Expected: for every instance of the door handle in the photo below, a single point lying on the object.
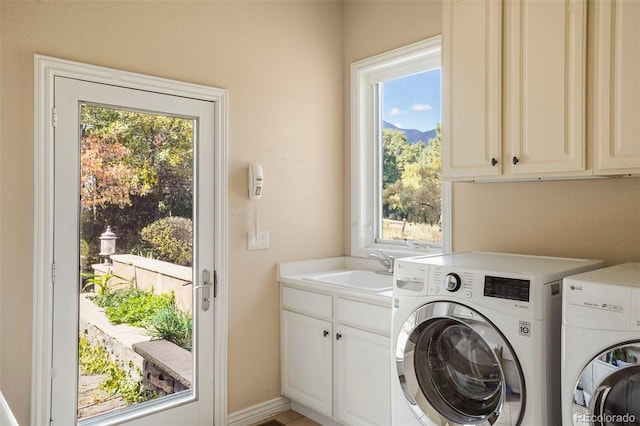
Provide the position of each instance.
(206, 287)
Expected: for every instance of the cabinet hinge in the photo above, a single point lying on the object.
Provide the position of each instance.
(215, 283)
(53, 272)
(54, 117)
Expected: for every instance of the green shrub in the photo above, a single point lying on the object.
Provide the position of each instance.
(173, 325)
(124, 380)
(93, 359)
(133, 306)
(170, 239)
(157, 313)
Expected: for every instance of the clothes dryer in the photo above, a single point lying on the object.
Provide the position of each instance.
(476, 339)
(601, 347)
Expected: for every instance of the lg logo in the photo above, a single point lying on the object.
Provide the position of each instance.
(576, 287)
(525, 328)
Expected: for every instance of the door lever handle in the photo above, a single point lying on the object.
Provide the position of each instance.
(206, 289)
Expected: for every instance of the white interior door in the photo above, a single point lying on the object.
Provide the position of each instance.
(195, 405)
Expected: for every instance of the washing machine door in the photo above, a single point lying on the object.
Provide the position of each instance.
(608, 391)
(451, 363)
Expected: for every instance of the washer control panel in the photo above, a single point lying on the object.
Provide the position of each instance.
(447, 282)
(452, 281)
(467, 284)
(507, 288)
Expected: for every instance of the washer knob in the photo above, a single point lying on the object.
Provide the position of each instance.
(452, 282)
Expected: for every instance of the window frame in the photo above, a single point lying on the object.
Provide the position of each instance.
(366, 183)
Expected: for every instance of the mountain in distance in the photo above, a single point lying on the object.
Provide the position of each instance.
(413, 135)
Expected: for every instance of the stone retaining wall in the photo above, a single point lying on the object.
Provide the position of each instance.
(166, 368)
(162, 277)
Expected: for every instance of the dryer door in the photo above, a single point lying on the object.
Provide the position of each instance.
(451, 366)
(608, 392)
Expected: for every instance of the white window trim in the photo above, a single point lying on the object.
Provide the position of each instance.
(365, 74)
(45, 70)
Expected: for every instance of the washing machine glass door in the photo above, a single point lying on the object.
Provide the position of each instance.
(608, 392)
(450, 365)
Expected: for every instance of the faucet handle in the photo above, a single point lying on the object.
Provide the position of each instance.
(384, 255)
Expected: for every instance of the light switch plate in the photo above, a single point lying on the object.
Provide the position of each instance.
(258, 241)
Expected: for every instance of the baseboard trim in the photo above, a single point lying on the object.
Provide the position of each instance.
(259, 412)
(6, 416)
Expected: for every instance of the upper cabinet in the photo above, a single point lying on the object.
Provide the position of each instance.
(515, 89)
(616, 87)
(545, 90)
(472, 88)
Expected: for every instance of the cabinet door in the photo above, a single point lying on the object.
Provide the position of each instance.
(616, 87)
(306, 361)
(362, 378)
(471, 89)
(545, 62)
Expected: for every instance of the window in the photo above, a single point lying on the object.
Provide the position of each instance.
(398, 201)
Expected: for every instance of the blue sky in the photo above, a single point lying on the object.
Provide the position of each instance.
(413, 102)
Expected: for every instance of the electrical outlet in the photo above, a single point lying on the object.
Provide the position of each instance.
(259, 241)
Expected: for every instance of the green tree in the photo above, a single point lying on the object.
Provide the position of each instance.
(415, 196)
(136, 169)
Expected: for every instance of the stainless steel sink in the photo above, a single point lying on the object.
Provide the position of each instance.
(369, 281)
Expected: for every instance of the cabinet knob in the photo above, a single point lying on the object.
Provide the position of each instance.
(494, 162)
(515, 160)
(338, 336)
(325, 333)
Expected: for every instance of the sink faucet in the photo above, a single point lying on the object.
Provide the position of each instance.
(386, 261)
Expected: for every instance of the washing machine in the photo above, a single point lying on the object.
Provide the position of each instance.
(601, 347)
(476, 338)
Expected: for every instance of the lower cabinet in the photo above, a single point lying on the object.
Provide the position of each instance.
(306, 361)
(337, 365)
(362, 390)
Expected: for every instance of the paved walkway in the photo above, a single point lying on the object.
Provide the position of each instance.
(92, 400)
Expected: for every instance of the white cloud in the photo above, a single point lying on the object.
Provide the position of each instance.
(421, 107)
(395, 111)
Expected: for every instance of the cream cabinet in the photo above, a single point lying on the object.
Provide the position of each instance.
(363, 382)
(306, 361)
(514, 91)
(336, 355)
(616, 87)
(472, 88)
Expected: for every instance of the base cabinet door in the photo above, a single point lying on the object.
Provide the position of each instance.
(362, 377)
(306, 361)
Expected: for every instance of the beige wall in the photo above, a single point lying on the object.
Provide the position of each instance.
(597, 219)
(282, 63)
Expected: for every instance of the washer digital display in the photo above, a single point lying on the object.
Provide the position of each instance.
(506, 288)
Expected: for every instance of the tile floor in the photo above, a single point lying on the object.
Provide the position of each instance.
(289, 418)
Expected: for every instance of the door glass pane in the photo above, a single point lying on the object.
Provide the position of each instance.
(411, 199)
(458, 371)
(136, 256)
(608, 390)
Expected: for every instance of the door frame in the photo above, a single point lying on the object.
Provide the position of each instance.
(46, 69)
